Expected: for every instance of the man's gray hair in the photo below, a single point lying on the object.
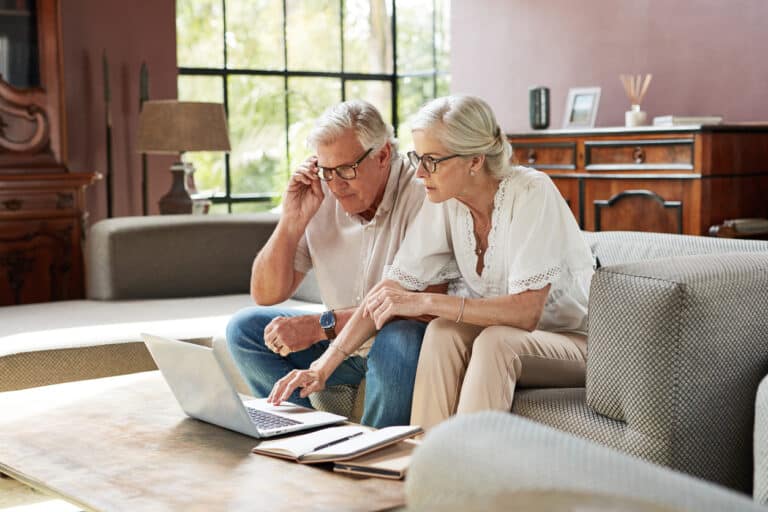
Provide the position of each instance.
(466, 125)
(357, 115)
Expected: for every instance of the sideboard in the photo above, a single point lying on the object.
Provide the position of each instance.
(680, 179)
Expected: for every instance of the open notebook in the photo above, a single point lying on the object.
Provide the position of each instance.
(335, 443)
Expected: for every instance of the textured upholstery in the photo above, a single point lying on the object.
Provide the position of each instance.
(174, 255)
(491, 461)
(677, 344)
(761, 443)
(616, 247)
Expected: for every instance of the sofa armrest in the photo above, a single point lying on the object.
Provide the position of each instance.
(174, 255)
(676, 350)
(761, 444)
(497, 461)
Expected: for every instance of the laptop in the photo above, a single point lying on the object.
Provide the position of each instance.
(205, 392)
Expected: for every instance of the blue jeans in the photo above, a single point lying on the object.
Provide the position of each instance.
(389, 370)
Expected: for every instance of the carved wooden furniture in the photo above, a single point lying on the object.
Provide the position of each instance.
(672, 180)
(41, 204)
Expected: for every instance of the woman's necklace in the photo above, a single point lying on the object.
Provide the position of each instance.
(479, 231)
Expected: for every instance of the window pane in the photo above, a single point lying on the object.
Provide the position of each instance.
(307, 99)
(255, 34)
(376, 92)
(414, 35)
(413, 92)
(313, 35)
(257, 133)
(443, 85)
(199, 33)
(368, 36)
(443, 35)
(201, 88)
(218, 209)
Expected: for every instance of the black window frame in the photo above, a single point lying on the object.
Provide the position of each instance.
(392, 78)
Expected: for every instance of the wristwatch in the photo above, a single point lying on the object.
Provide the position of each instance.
(328, 323)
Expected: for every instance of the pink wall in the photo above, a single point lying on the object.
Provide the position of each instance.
(130, 32)
(707, 56)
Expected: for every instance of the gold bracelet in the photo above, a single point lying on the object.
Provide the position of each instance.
(461, 310)
(339, 349)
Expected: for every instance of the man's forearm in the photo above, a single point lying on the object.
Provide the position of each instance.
(272, 273)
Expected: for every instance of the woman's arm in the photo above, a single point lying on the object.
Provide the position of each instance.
(522, 310)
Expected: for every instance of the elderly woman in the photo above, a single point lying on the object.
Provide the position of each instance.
(519, 266)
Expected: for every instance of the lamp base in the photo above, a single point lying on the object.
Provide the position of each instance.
(177, 200)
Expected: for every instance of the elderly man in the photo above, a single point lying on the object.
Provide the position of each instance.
(345, 212)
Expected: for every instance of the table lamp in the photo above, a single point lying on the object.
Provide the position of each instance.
(171, 126)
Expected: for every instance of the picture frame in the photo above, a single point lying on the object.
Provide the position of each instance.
(581, 107)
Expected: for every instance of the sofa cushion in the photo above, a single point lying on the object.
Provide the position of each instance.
(164, 256)
(615, 247)
(70, 340)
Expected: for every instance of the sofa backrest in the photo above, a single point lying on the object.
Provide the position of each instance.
(617, 247)
(174, 255)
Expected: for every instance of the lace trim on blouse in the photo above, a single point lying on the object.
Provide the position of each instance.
(534, 282)
(449, 272)
(469, 232)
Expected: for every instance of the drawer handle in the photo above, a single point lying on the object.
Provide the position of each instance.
(531, 156)
(13, 204)
(639, 155)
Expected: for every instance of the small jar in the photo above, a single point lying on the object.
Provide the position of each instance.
(634, 116)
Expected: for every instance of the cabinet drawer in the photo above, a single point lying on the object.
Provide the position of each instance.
(31, 201)
(674, 154)
(552, 155)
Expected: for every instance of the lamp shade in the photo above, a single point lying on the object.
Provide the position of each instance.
(170, 126)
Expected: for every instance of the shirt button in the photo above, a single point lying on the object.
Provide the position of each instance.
(357, 298)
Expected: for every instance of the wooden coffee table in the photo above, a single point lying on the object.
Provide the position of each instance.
(123, 443)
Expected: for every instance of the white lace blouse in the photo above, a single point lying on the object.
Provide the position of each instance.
(534, 241)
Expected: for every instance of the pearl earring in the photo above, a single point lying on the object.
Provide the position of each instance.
(472, 172)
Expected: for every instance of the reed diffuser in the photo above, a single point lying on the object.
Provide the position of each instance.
(635, 86)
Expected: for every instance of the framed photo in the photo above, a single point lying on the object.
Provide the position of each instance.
(581, 107)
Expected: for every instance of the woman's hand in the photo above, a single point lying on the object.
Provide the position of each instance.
(310, 381)
(388, 300)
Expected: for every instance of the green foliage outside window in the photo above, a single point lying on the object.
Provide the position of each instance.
(272, 102)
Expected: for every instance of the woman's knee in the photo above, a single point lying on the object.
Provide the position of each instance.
(496, 339)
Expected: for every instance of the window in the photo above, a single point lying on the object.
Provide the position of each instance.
(277, 64)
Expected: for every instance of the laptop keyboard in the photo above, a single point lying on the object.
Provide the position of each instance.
(267, 421)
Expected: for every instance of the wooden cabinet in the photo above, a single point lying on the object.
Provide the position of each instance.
(42, 207)
(674, 180)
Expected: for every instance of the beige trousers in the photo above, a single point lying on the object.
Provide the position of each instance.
(466, 368)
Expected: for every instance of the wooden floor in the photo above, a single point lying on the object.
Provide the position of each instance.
(17, 497)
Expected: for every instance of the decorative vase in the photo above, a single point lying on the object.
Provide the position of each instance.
(634, 116)
(538, 104)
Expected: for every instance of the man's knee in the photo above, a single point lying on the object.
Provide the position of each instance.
(246, 327)
(397, 343)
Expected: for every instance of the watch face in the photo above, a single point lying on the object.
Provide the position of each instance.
(328, 320)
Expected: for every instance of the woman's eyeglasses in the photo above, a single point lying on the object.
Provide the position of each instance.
(428, 162)
(345, 172)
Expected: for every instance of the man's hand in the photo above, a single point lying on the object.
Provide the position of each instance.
(304, 194)
(388, 300)
(284, 335)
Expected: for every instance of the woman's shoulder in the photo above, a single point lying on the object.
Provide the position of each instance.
(525, 182)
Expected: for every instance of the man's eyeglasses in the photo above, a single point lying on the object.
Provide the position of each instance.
(345, 172)
(429, 162)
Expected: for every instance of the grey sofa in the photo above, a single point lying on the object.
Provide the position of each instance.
(677, 344)
(540, 468)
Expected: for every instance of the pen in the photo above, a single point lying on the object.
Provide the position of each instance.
(326, 445)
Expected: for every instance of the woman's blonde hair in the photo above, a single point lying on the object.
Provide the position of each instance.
(357, 115)
(466, 126)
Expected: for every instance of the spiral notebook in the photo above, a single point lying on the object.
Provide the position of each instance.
(391, 462)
